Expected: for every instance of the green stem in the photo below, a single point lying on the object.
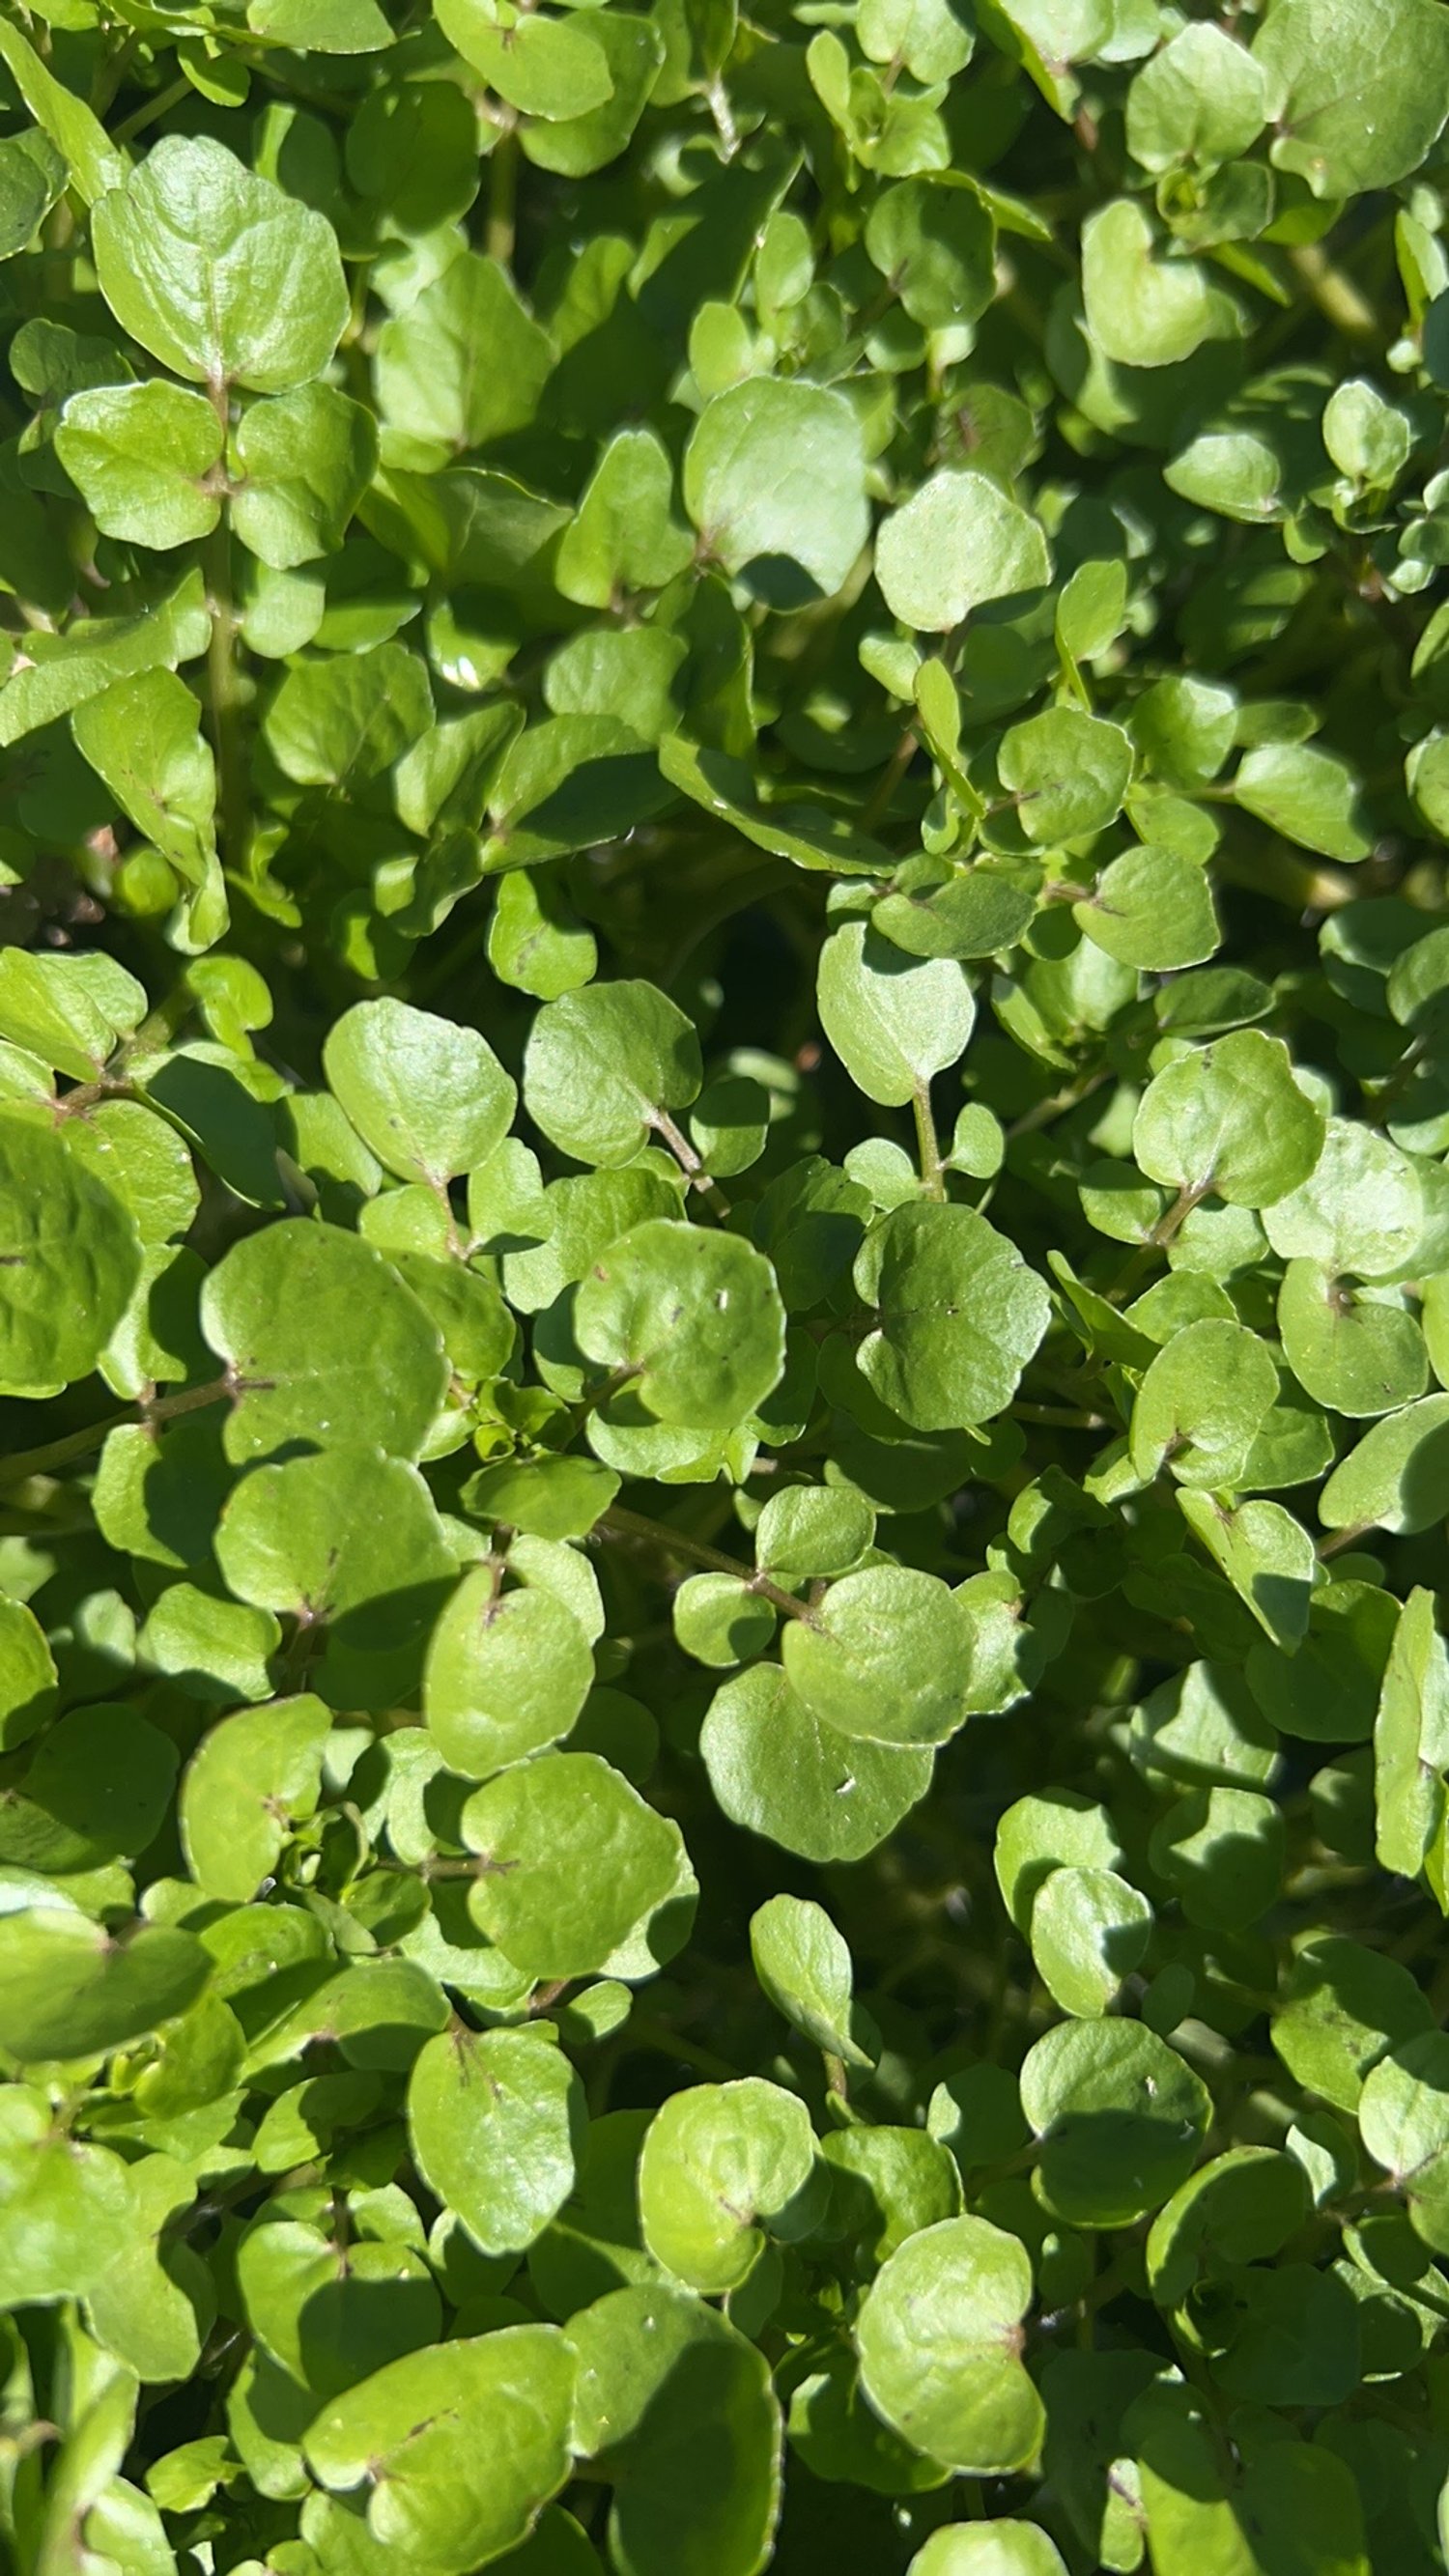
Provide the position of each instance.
(24, 1463)
(928, 1151)
(221, 672)
(643, 2031)
(1338, 299)
(689, 1163)
(619, 1523)
(157, 105)
(503, 197)
(895, 769)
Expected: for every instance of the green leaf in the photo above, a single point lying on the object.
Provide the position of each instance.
(431, 1099)
(939, 2338)
(304, 459)
(1119, 2116)
(1404, 2125)
(143, 737)
(1266, 1555)
(803, 1965)
(496, 2123)
(893, 1021)
(1308, 796)
(1144, 310)
(458, 2447)
(339, 722)
(1200, 99)
(689, 1324)
(378, 1374)
(1355, 108)
(464, 364)
(94, 161)
(142, 458)
(884, 1659)
(1328, 1690)
(1067, 773)
(1398, 1475)
(1411, 1740)
(548, 67)
(793, 1778)
(1342, 2007)
(995, 2548)
(723, 2164)
(957, 1316)
(956, 544)
(250, 1780)
(27, 1675)
(65, 2207)
(507, 1673)
(572, 1863)
(69, 1259)
(774, 474)
(68, 1989)
(332, 2315)
(623, 536)
(1089, 1929)
(345, 1540)
(679, 2411)
(1230, 1118)
(603, 1066)
(936, 246)
(1151, 908)
(1202, 1404)
(218, 273)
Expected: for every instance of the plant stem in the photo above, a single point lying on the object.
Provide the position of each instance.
(689, 1163)
(643, 2031)
(1338, 299)
(503, 197)
(221, 677)
(619, 1523)
(157, 105)
(928, 1151)
(890, 779)
(24, 1463)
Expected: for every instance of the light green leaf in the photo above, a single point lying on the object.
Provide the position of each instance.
(1144, 310)
(218, 273)
(496, 2123)
(429, 1097)
(507, 1673)
(1120, 2118)
(1355, 106)
(722, 2165)
(780, 1771)
(376, 1373)
(957, 1315)
(463, 365)
(803, 1965)
(249, 1781)
(142, 458)
(69, 1259)
(775, 470)
(956, 544)
(893, 1021)
(1151, 908)
(573, 1862)
(1229, 1117)
(458, 2447)
(939, 2343)
(884, 1659)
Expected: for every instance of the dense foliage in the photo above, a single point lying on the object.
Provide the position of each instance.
(724, 1288)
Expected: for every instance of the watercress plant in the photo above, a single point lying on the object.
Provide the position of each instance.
(724, 1288)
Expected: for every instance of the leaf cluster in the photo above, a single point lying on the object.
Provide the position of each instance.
(724, 1288)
